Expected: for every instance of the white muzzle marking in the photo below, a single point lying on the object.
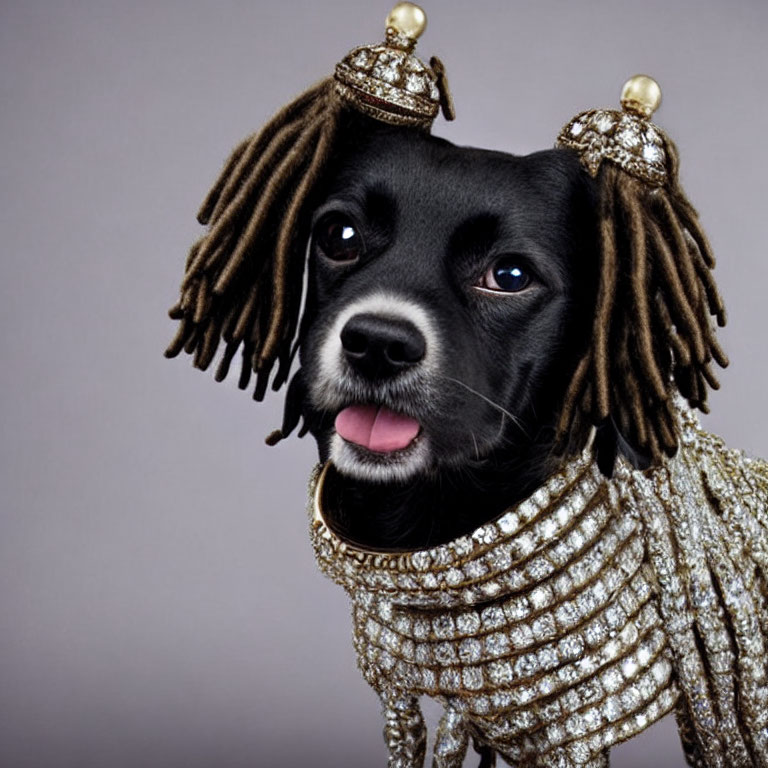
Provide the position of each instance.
(336, 386)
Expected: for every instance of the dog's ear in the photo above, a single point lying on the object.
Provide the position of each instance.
(653, 334)
(244, 278)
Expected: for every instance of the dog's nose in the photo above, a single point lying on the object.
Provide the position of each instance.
(378, 346)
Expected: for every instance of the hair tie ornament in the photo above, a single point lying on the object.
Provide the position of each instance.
(388, 82)
(653, 333)
(243, 278)
(626, 137)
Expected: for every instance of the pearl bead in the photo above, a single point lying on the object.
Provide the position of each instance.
(408, 19)
(641, 95)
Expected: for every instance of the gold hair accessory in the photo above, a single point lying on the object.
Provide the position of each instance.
(243, 279)
(388, 82)
(626, 137)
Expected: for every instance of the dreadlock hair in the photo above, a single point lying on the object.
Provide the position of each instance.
(243, 277)
(652, 334)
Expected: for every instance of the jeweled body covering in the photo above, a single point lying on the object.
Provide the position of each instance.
(579, 617)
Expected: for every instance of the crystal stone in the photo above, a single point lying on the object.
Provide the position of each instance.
(604, 122)
(361, 59)
(470, 650)
(450, 679)
(628, 136)
(445, 653)
(472, 677)
(527, 665)
(496, 644)
(468, 623)
(500, 672)
(652, 153)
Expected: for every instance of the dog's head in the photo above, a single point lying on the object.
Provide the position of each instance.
(470, 316)
(450, 294)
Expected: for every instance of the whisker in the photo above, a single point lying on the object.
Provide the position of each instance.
(514, 419)
(474, 440)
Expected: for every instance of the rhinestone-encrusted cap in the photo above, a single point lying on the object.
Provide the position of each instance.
(381, 80)
(626, 137)
(386, 81)
(628, 140)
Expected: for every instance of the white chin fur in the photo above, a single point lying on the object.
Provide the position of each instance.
(360, 464)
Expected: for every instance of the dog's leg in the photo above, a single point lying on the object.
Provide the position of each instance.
(404, 729)
(451, 740)
(688, 737)
(487, 755)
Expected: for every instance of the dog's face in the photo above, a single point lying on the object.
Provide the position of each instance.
(450, 291)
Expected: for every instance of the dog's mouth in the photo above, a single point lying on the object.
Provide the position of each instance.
(377, 428)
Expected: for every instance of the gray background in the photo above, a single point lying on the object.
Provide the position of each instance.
(160, 603)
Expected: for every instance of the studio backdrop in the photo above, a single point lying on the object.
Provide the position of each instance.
(160, 603)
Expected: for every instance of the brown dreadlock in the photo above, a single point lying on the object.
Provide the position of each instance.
(243, 278)
(652, 332)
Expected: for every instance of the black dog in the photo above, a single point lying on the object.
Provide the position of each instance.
(451, 292)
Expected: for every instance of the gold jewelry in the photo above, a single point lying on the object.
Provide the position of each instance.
(579, 617)
(586, 612)
(387, 81)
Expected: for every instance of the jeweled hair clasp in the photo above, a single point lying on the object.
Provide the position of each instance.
(626, 137)
(388, 82)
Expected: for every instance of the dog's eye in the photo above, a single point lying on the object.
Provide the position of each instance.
(337, 238)
(506, 275)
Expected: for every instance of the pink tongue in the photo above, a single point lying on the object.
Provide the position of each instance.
(376, 428)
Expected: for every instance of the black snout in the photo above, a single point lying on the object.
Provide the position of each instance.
(379, 347)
